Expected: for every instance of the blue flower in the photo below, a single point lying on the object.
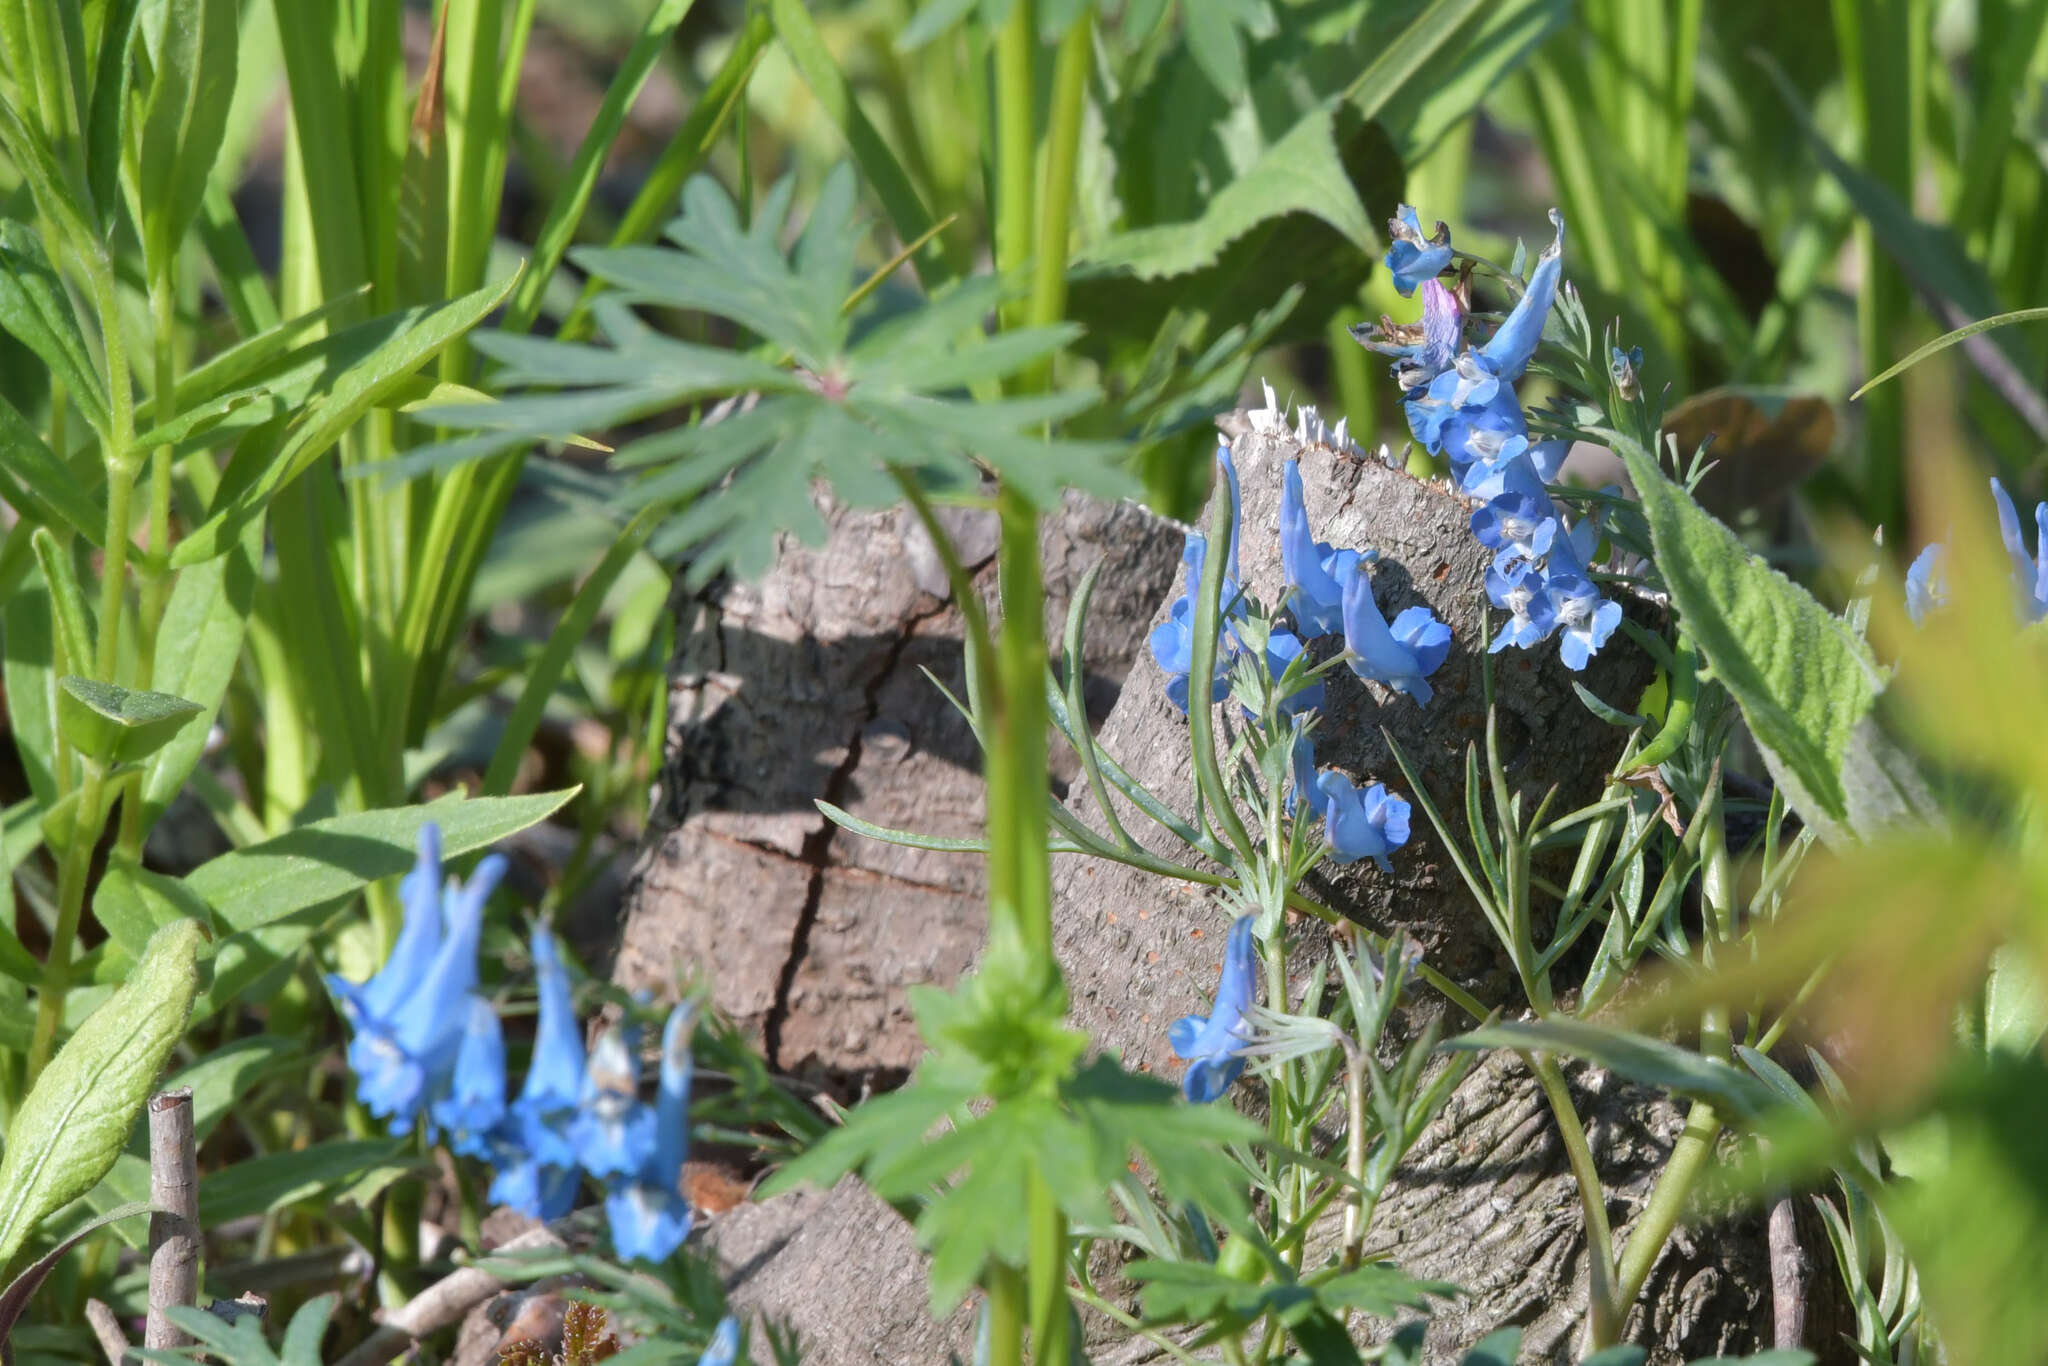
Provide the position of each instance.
(724, 1348)
(1412, 257)
(475, 1103)
(1517, 525)
(1303, 760)
(649, 1217)
(1927, 583)
(613, 1132)
(1173, 640)
(1585, 618)
(536, 1189)
(1361, 823)
(409, 1019)
(1509, 350)
(1314, 571)
(1518, 590)
(1281, 649)
(537, 1172)
(1403, 656)
(2029, 574)
(1210, 1043)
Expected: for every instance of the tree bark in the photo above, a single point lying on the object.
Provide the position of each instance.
(1486, 1200)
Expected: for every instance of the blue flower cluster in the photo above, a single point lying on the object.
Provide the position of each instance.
(1460, 402)
(1927, 577)
(1328, 591)
(426, 1044)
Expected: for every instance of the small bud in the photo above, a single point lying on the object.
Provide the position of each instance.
(1625, 369)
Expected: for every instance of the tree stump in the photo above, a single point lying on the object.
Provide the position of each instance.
(1486, 1200)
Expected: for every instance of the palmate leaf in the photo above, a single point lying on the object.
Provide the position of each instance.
(822, 396)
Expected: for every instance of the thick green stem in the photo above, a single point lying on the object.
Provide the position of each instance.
(1005, 1289)
(1606, 1322)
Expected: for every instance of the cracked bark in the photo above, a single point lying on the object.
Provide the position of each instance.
(1486, 1200)
(810, 684)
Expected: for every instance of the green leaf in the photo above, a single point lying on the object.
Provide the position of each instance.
(1628, 1354)
(420, 335)
(1651, 1062)
(35, 481)
(31, 681)
(322, 862)
(113, 725)
(1948, 339)
(1301, 173)
(16, 1297)
(75, 1121)
(1381, 1289)
(193, 46)
(1778, 1356)
(227, 1075)
(1805, 682)
(132, 904)
(1495, 1349)
(851, 412)
(36, 309)
(566, 213)
(339, 1169)
(198, 646)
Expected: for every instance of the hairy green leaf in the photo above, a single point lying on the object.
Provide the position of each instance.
(74, 1122)
(35, 481)
(115, 725)
(1805, 681)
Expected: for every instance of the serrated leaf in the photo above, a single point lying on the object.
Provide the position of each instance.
(1300, 173)
(322, 862)
(852, 411)
(1805, 682)
(76, 1119)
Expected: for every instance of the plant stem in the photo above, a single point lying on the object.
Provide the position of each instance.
(1056, 192)
(1016, 142)
(1005, 1288)
(1606, 1321)
(90, 819)
(1695, 1146)
(71, 878)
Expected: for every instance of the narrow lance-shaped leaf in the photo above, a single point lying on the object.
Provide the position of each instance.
(75, 1121)
(425, 334)
(36, 310)
(193, 47)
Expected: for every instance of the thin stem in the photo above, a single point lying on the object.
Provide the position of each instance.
(1354, 1154)
(71, 878)
(1056, 195)
(1606, 1322)
(1110, 1311)
(1016, 141)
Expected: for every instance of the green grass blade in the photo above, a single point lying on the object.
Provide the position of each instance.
(879, 166)
(1948, 339)
(566, 213)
